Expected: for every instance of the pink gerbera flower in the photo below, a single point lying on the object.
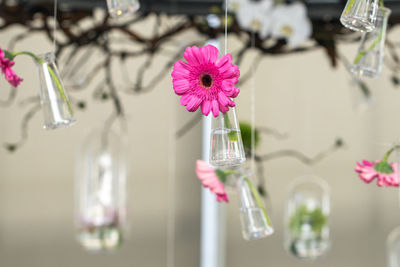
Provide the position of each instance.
(5, 67)
(205, 80)
(385, 173)
(209, 178)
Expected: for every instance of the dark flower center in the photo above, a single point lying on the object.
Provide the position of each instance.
(206, 81)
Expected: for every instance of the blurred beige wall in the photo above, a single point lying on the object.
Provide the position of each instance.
(299, 94)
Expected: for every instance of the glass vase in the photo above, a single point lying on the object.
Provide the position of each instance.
(393, 248)
(57, 110)
(119, 8)
(306, 218)
(360, 15)
(369, 60)
(226, 141)
(254, 218)
(100, 195)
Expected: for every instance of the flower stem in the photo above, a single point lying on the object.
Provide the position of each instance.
(35, 57)
(370, 48)
(349, 6)
(227, 122)
(258, 200)
(373, 45)
(387, 154)
(52, 73)
(228, 125)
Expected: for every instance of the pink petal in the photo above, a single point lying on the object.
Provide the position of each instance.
(229, 89)
(223, 109)
(193, 55)
(222, 198)
(368, 177)
(181, 70)
(181, 86)
(230, 81)
(226, 68)
(231, 103)
(223, 100)
(215, 108)
(203, 165)
(185, 99)
(15, 81)
(210, 180)
(224, 61)
(210, 53)
(236, 92)
(206, 107)
(193, 104)
(367, 163)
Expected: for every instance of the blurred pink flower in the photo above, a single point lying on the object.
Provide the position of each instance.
(5, 66)
(205, 80)
(367, 172)
(209, 178)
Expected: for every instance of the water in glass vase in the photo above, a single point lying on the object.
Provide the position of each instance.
(309, 247)
(255, 224)
(226, 147)
(56, 114)
(101, 238)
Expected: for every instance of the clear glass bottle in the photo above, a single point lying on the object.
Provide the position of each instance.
(57, 110)
(226, 141)
(360, 15)
(119, 8)
(369, 60)
(100, 196)
(254, 218)
(307, 218)
(393, 248)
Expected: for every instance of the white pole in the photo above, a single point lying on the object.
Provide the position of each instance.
(212, 213)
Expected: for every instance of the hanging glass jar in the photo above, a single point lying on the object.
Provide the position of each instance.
(226, 141)
(306, 218)
(393, 248)
(360, 15)
(57, 110)
(101, 176)
(254, 218)
(118, 8)
(369, 59)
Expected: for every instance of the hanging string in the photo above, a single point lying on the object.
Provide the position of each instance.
(171, 186)
(55, 26)
(171, 172)
(226, 27)
(253, 109)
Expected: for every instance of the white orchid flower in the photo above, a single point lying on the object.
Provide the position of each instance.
(233, 5)
(292, 23)
(255, 16)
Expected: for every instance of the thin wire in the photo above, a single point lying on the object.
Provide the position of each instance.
(253, 110)
(171, 174)
(55, 26)
(226, 27)
(171, 187)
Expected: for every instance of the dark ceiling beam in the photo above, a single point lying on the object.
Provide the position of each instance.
(318, 9)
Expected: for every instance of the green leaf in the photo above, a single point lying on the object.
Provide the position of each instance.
(303, 215)
(222, 176)
(232, 134)
(259, 202)
(245, 129)
(349, 6)
(384, 167)
(8, 55)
